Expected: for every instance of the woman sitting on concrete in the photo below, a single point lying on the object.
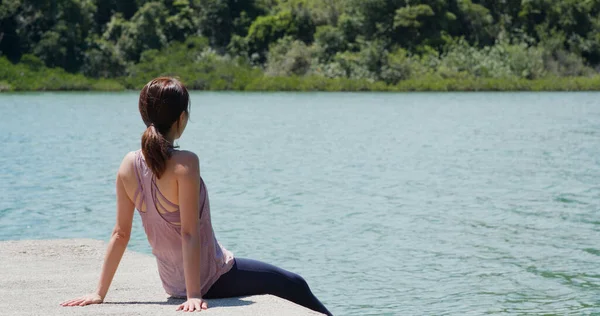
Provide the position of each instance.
(165, 186)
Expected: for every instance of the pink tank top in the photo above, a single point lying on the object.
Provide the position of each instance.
(165, 237)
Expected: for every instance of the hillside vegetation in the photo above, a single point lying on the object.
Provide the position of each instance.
(306, 45)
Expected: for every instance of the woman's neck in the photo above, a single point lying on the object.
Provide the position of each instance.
(170, 136)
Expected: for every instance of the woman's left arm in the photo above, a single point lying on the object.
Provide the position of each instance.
(119, 239)
(116, 246)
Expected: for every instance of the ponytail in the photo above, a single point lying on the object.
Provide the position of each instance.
(156, 150)
(161, 103)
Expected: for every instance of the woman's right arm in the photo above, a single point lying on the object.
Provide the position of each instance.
(187, 171)
(117, 244)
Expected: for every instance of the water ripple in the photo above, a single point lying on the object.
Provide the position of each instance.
(388, 204)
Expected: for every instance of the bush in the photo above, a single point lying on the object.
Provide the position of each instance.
(195, 63)
(32, 62)
(29, 75)
(524, 61)
(461, 58)
(288, 57)
(398, 66)
(103, 61)
(5, 86)
(503, 60)
(566, 64)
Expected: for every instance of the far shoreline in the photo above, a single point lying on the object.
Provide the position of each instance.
(320, 84)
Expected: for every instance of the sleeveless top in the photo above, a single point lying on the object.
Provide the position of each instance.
(165, 237)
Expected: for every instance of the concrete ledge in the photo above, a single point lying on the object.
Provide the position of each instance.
(36, 275)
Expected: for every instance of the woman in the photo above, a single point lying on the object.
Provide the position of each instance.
(165, 186)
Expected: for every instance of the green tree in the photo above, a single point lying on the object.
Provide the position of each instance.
(55, 31)
(222, 19)
(268, 29)
(145, 31)
(103, 60)
(579, 21)
(9, 37)
(330, 40)
(477, 22)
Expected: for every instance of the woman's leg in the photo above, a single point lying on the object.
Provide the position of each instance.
(251, 277)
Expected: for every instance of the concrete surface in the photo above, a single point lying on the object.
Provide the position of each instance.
(36, 275)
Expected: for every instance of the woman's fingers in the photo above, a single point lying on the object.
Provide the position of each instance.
(192, 306)
(65, 303)
(83, 300)
(75, 302)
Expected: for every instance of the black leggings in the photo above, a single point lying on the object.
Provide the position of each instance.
(251, 277)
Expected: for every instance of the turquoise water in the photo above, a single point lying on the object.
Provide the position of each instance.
(388, 204)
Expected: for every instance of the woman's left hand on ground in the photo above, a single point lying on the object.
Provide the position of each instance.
(193, 304)
(84, 300)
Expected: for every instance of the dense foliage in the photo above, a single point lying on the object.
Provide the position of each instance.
(301, 44)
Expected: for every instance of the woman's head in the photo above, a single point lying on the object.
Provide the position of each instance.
(164, 106)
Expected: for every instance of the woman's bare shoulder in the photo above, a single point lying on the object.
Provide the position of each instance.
(126, 167)
(185, 162)
(185, 157)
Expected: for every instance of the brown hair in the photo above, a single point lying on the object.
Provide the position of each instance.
(161, 103)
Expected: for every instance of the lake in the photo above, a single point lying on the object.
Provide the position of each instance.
(387, 204)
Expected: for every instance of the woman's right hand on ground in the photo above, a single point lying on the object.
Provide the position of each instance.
(84, 300)
(193, 304)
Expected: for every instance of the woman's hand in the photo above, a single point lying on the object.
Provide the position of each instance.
(84, 300)
(193, 304)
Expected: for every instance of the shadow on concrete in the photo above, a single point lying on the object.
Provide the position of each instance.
(223, 302)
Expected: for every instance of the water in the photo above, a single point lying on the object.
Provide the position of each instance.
(388, 204)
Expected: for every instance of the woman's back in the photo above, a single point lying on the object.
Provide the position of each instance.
(157, 201)
(167, 184)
